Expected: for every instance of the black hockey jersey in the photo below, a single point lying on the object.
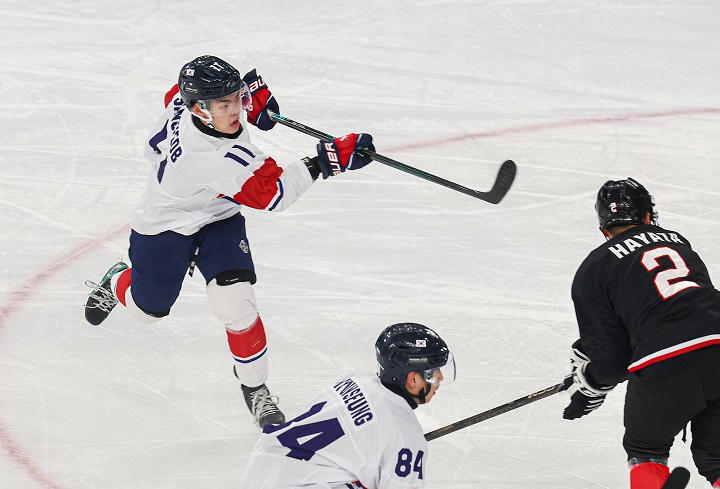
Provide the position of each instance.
(640, 298)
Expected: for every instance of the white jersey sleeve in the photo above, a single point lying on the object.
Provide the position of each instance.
(197, 178)
(356, 430)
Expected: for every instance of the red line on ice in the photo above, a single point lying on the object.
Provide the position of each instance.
(15, 301)
(530, 128)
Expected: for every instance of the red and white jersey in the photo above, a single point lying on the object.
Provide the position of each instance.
(356, 430)
(198, 178)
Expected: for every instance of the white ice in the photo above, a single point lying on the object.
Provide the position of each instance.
(575, 91)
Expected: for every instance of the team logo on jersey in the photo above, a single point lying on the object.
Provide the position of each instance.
(420, 343)
(244, 246)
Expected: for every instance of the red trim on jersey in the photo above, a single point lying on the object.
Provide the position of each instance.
(260, 189)
(123, 284)
(170, 95)
(673, 353)
(249, 342)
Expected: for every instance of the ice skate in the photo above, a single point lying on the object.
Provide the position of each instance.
(101, 300)
(262, 405)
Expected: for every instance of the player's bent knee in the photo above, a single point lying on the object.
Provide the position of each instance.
(137, 313)
(234, 304)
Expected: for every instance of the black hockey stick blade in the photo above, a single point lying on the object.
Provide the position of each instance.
(503, 181)
(491, 413)
(679, 478)
(505, 178)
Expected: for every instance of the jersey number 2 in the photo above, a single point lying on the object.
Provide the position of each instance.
(662, 280)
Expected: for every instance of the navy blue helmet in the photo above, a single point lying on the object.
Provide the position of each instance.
(409, 347)
(208, 78)
(623, 202)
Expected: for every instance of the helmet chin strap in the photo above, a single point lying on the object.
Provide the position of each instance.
(421, 395)
(424, 392)
(206, 112)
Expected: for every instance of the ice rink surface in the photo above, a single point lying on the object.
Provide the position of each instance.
(575, 91)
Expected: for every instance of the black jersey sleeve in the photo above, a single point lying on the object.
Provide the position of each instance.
(603, 335)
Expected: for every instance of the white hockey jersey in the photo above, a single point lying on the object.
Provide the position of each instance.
(197, 178)
(356, 430)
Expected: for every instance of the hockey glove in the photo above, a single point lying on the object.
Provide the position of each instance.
(340, 154)
(262, 100)
(584, 397)
(578, 358)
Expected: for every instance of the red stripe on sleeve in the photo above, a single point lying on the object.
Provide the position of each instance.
(170, 95)
(260, 189)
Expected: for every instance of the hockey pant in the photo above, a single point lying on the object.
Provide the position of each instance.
(657, 409)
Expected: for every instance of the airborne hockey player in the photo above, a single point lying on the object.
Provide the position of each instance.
(360, 433)
(648, 312)
(204, 169)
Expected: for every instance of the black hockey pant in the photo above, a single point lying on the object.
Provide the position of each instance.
(661, 402)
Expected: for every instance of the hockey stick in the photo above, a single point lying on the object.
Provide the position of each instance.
(678, 479)
(502, 184)
(491, 413)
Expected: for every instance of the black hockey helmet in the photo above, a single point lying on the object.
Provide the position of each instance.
(623, 202)
(409, 347)
(208, 78)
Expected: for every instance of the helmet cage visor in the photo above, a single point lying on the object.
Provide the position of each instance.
(228, 105)
(444, 374)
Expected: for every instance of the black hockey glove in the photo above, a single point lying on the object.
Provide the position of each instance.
(262, 100)
(584, 396)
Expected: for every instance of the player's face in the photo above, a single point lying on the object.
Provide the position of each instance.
(226, 111)
(435, 385)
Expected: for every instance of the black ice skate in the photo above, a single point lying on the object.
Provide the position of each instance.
(101, 300)
(261, 404)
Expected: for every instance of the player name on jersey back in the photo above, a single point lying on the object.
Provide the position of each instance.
(355, 402)
(627, 246)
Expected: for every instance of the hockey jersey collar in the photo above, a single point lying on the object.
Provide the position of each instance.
(402, 393)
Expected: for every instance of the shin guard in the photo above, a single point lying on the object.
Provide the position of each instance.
(248, 345)
(249, 348)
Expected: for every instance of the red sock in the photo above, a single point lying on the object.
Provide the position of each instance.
(250, 344)
(123, 283)
(648, 475)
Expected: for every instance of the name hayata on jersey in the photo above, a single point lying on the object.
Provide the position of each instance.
(355, 402)
(629, 245)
